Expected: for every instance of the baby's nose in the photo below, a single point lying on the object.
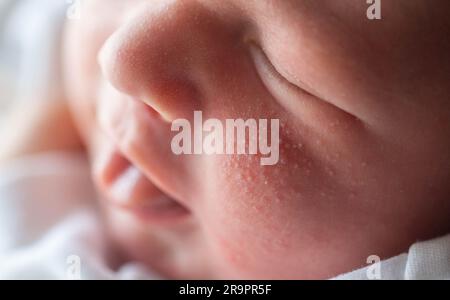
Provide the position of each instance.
(160, 56)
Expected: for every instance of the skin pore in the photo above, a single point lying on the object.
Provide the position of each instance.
(364, 116)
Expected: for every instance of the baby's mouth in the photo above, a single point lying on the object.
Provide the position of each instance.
(158, 210)
(126, 188)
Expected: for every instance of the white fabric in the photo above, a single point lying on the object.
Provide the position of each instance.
(424, 260)
(47, 217)
(30, 34)
(30, 46)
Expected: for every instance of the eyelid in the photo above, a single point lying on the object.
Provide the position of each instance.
(294, 97)
(264, 65)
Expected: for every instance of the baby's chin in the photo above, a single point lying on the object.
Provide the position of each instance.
(173, 252)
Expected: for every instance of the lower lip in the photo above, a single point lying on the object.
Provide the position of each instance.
(128, 190)
(156, 214)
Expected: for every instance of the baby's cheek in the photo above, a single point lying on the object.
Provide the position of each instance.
(252, 214)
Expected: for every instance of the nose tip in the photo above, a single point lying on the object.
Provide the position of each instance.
(147, 60)
(113, 62)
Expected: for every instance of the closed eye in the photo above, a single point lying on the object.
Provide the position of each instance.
(296, 97)
(268, 71)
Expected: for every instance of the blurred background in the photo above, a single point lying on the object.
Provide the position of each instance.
(6, 86)
(29, 50)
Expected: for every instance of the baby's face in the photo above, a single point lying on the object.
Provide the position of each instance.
(364, 115)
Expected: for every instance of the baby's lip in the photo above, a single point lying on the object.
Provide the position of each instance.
(162, 210)
(144, 138)
(128, 189)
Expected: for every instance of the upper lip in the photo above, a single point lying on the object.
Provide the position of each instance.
(143, 138)
(128, 189)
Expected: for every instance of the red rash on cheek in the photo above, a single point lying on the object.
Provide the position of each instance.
(249, 216)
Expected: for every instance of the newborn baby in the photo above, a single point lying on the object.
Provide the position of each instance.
(364, 113)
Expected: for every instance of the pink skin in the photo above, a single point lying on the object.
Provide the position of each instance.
(364, 106)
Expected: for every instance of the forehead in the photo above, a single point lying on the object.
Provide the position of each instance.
(290, 12)
(256, 9)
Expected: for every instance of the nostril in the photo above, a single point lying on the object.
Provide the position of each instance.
(154, 113)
